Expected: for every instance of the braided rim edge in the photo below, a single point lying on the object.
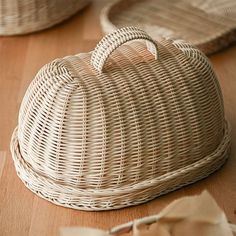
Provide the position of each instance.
(221, 153)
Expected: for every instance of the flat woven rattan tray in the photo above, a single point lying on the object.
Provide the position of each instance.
(120, 125)
(208, 24)
(26, 16)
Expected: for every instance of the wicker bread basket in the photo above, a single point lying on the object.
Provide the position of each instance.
(119, 126)
(208, 24)
(25, 16)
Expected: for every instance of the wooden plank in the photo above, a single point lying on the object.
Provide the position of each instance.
(2, 161)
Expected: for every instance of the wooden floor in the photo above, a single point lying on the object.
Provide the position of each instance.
(22, 212)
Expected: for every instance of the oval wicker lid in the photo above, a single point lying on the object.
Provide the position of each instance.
(207, 24)
(121, 125)
(21, 17)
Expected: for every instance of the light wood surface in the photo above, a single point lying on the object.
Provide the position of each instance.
(22, 212)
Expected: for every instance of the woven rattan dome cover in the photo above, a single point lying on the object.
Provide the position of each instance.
(25, 16)
(106, 130)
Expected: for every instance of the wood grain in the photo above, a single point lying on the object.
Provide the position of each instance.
(22, 212)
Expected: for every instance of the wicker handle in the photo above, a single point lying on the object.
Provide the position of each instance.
(114, 40)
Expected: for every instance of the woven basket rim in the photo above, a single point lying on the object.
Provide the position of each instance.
(219, 153)
(38, 25)
(208, 45)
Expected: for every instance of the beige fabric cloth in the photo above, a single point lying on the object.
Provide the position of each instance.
(195, 215)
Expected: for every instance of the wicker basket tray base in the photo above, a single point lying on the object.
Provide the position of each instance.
(209, 25)
(107, 199)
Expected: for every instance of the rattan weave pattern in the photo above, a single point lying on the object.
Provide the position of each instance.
(208, 24)
(26, 16)
(124, 132)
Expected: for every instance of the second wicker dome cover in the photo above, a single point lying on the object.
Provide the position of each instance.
(122, 124)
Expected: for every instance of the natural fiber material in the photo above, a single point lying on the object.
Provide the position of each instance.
(25, 16)
(119, 126)
(192, 215)
(207, 24)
